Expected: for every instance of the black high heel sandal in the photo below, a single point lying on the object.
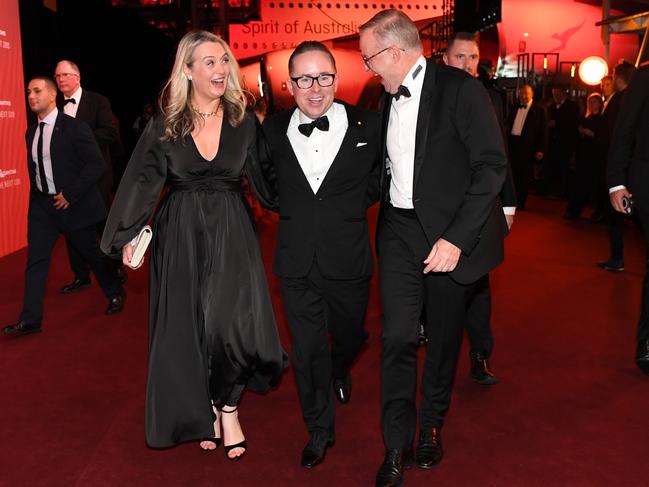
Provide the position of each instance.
(214, 439)
(241, 444)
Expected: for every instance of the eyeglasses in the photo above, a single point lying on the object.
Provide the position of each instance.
(367, 59)
(64, 75)
(305, 81)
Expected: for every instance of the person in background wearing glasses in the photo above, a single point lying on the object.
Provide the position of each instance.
(441, 228)
(95, 110)
(324, 156)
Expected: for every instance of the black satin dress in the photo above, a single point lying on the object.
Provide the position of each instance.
(212, 329)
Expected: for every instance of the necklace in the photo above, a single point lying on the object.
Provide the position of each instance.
(206, 115)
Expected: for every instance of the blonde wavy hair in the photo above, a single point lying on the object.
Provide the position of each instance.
(175, 98)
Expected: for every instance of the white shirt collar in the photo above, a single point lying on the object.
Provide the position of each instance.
(76, 95)
(51, 117)
(414, 79)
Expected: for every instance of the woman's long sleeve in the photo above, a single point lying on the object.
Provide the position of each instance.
(138, 191)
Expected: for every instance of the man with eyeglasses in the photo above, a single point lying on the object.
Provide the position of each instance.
(324, 155)
(440, 229)
(95, 110)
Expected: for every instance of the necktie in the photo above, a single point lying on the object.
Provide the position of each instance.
(402, 91)
(321, 123)
(39, 154)
(69, 100)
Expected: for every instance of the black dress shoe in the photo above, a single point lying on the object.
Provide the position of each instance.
(390, 473)
(480, 371)
(642, 356)
(315, 450)
(77, 285)
(429, 449)
(21, 328)
(343, 389)
(612, 265)
(116, 304)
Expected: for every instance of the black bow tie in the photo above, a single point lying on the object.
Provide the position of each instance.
(402, 91)
(69, 100)
(321, 123)
(520, 105)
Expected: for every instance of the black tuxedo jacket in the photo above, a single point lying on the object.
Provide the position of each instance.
(329, 226)
(95, 110)
(77, 165)
(628, 158)
(533, 133)
(460, 167)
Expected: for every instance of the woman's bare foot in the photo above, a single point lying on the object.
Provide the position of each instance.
(207, 444)
(232, 433)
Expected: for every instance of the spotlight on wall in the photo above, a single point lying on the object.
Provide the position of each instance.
(592, 70)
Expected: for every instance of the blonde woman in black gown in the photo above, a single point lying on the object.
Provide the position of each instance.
(212, 330)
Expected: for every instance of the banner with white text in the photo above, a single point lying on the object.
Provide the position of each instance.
(14, 179)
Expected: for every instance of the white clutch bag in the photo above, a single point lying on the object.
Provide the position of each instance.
(140, 244)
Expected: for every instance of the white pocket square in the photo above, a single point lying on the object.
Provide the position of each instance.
(361, 144)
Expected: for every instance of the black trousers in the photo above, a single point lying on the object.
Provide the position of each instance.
(320, 311)
(522, 168)
(43, 229)
(478, 318)
(643, 323)
(615, 226)
(402, 248)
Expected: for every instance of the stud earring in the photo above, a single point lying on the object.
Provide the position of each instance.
(189, 77)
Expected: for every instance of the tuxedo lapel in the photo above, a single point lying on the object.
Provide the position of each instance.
(285, 145)
(423, 120)
(31, 133)
(345, 153)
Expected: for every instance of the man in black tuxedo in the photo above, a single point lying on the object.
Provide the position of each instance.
(462, 52)
(526, 136)
(628, 177)
(440, 230)
(324, 155)
(64, 165)
(622, 75)
(95, 110)
(563, 119)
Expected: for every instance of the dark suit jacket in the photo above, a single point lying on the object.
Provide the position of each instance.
(508, 193)
(563, 136)
(77, 165)
(331, 225)
(460, 167)
(628, 158)
(95, 110)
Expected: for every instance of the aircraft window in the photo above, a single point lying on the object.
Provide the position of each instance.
(272, 5)
(290, 5)
(281, 5)
(299, 5)
(382, 6)
(328, 5)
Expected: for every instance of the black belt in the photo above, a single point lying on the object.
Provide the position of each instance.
(207, 184)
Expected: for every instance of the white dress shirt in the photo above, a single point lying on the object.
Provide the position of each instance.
(402, 132)
(48, 128)
(71, 108)
(317, 152)
(519, 121)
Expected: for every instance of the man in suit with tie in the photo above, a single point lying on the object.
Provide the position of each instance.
(95, 110)
(526, 136)
(462, 52)
(64, 165)
(440, 230)
(323, 152)
(628, 178)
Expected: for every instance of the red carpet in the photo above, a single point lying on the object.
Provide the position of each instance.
(571, 408)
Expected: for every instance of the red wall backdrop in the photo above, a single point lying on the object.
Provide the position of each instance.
(14, 180)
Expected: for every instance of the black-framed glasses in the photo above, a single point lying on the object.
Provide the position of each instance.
(367, 59)
(305, 81)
